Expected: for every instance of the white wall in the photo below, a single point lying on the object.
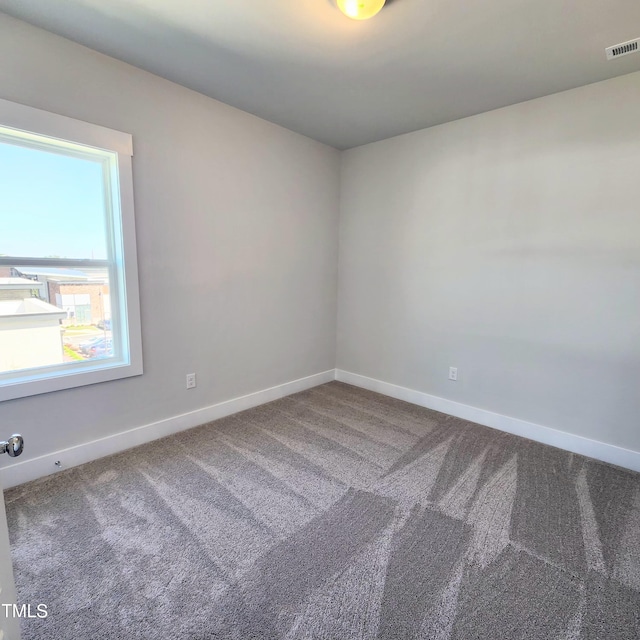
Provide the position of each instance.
(30, 342)
(237, 242)
(507, 245)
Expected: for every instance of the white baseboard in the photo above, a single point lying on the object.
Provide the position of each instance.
(19, 472)
(569, 442)
(24, 471)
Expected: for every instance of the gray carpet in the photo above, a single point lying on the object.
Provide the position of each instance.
(335, 513)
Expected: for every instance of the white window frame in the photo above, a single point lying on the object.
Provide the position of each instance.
(123, 269)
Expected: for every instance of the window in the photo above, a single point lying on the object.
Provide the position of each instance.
(69, 309)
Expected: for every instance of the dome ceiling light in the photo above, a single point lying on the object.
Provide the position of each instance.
(360, 9)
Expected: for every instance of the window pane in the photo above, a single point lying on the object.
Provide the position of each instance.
(50, 316)
(51, 205)
(69, 309)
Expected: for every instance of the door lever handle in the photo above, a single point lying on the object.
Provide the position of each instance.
(14, 446)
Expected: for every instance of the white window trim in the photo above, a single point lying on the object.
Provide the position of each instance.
(43, 123)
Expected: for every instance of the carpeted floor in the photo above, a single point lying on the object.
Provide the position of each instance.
(335, 514)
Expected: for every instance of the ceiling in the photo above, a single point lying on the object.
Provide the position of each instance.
(304, 65)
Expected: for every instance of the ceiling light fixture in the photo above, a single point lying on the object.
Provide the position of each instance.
(360, 9)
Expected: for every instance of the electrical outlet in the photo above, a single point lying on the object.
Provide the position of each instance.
(191, 381)
(453, 373)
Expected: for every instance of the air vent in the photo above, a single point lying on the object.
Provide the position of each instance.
(623, 49)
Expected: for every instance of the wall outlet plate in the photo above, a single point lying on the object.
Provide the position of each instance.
(453, 373)
(191, 381)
